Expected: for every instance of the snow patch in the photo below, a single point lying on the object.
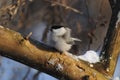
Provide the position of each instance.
(52, 61)
(90, 56)
(116, 78)
(59, 67)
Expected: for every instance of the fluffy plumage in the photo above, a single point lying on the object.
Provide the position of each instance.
(60, 38)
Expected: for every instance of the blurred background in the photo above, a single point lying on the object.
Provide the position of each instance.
(88, 19)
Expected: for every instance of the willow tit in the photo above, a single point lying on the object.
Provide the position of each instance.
(60, 38)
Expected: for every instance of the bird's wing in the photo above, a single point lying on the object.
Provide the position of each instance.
(76, 39)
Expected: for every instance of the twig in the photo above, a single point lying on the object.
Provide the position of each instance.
(28, 36)
(53, 3)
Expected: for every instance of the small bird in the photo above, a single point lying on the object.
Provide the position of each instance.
(60, 38)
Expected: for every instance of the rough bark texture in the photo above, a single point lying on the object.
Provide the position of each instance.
(110, 50)
(114, 49)
(110, 55)
(14, 46)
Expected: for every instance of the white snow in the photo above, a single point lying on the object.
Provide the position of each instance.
(59, 67)
(116, 78)
(90, 56)
(52, 61)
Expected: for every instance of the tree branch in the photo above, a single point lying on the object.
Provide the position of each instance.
(65, 6)
(114, 50)
(40, 57)
(110, 51)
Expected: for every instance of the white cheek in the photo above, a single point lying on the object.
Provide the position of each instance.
(59, 32)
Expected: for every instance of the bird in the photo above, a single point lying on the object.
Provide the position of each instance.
(60, 38)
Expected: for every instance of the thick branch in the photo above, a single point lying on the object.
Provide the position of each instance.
(111, 46)
(114, 50)
(14, 46)
(111, 53)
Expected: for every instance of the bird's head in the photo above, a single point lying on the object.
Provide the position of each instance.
(58, 30)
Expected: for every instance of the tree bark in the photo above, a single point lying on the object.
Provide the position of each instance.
(114, 50)
(41, 57)
(110, 51)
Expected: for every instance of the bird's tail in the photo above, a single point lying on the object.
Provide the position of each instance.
(76, 39)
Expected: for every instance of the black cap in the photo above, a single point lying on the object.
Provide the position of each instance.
(55, 27)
